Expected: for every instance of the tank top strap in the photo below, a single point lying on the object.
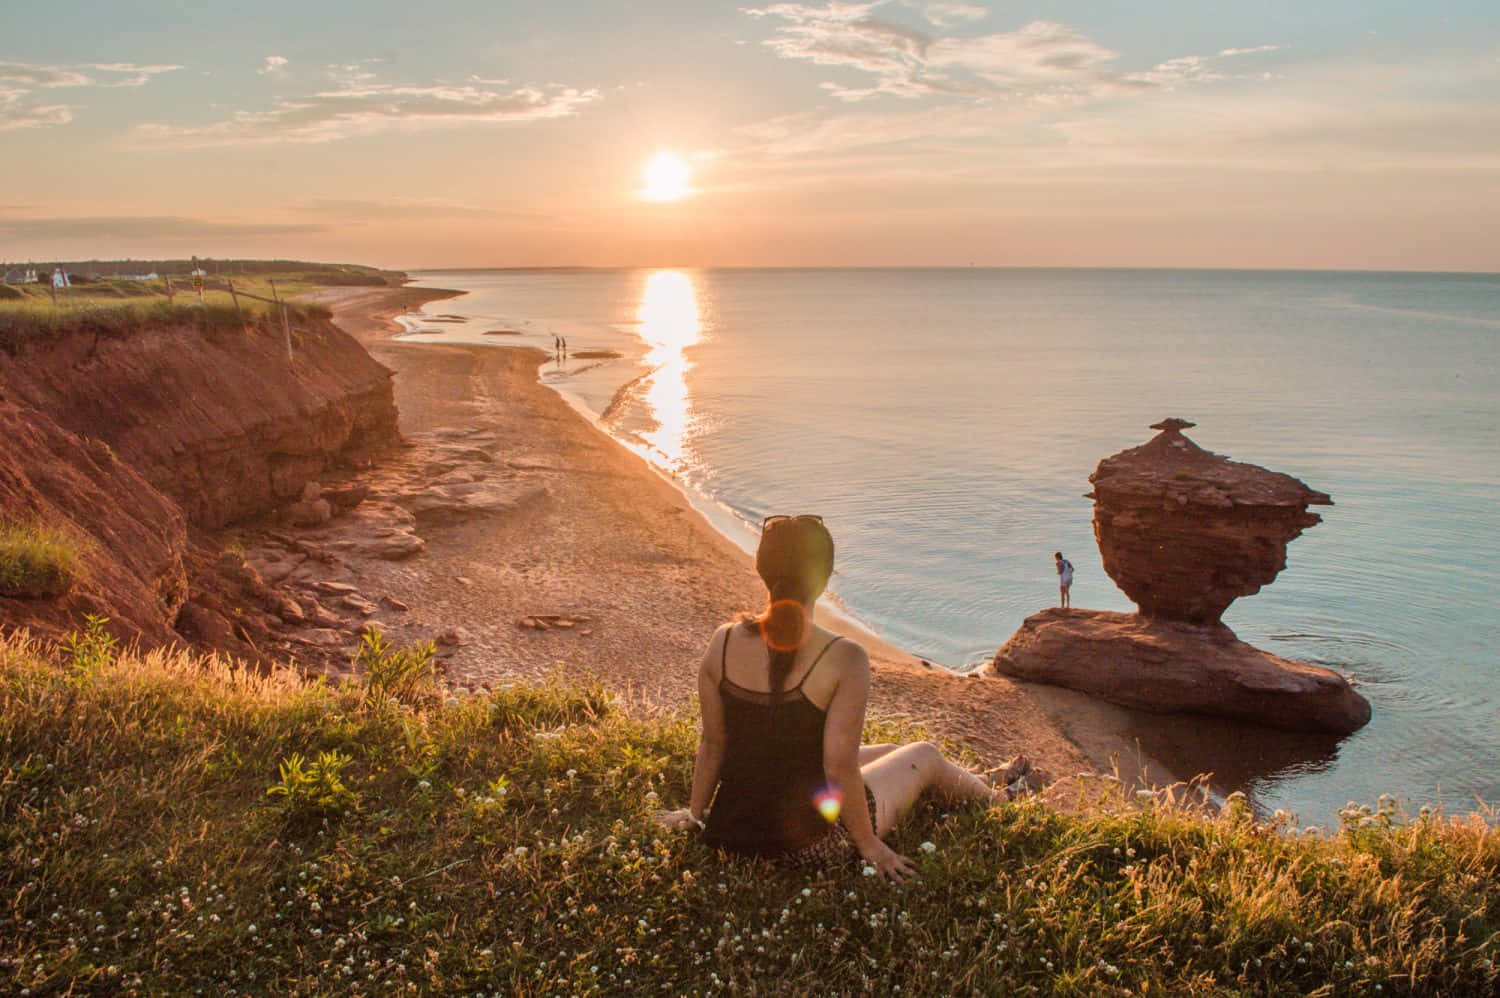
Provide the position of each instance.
(836, 639)
(724, 655)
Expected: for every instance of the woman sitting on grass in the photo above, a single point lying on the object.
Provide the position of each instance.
(783, 710)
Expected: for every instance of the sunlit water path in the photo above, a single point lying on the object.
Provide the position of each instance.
(945, 423)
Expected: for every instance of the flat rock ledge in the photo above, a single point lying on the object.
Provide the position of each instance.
(1166, 666)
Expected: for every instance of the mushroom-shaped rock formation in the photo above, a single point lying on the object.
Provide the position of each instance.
(1184, 532)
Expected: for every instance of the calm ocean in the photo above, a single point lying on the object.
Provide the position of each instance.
(945, 423)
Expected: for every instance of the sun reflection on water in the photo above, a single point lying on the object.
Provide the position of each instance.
(669, 323)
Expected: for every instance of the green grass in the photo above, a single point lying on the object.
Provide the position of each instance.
(34, 322)
(157, 836)
(35, 561)
(29, 314)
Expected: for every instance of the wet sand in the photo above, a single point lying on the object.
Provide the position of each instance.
(606, 539)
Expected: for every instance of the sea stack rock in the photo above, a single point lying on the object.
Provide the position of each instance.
(1185, 532)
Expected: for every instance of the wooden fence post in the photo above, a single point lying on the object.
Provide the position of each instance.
(237, 306)
(286, 322)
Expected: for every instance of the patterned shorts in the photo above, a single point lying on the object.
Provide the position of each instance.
(833, 848)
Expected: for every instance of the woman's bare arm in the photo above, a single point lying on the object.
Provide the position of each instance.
(710, 743)
(842, 731)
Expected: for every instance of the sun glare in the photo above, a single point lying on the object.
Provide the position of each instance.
(667, 178)
(669, 323)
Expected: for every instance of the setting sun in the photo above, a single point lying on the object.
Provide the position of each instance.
(667, 178)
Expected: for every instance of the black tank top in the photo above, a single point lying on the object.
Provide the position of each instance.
(772, 769)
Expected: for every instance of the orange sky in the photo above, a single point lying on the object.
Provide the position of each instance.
(883, 133)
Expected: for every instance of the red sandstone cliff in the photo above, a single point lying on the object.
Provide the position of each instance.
(131, 538)
(127, 440)
(221, 420)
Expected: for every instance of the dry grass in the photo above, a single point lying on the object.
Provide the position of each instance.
(502, 844)
(36, 562)
(33, 323)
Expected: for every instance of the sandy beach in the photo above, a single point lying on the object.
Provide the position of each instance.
(600, 540)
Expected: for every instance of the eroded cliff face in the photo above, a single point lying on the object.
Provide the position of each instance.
(130, 538)
(221, 420)
(1185, 532)
(129, 442)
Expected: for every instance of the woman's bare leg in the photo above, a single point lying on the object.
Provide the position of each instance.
(869, 753)
(897, 778)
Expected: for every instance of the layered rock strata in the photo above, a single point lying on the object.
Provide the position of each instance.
(224, 421)
(1184, 532)
(129, 442)
(130, 539)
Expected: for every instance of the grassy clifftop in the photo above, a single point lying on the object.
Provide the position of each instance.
(169, 824)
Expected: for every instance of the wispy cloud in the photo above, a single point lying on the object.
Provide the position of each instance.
(100, 74)
(42, 76)
(360, 106)
(399, 208)
(275, 65)
(15, 113)
(943, 13)
(1249, 51)
(1042, 57)
(1350, 118)
(147, 227)
(128, 74)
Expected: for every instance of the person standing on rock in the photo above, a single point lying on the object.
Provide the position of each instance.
(1064, 579)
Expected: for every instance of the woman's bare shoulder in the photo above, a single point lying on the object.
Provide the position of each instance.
(848, 655)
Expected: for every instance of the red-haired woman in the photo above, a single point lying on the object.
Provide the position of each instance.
(783, 710)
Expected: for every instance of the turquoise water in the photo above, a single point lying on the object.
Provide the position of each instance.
(945, 423)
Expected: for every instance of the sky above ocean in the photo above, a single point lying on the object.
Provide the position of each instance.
(891, 132)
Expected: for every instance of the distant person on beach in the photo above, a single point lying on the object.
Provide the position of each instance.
(1064, 579)
(783, 703)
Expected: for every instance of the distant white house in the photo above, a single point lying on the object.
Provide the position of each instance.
(22, 276)
(153, 276)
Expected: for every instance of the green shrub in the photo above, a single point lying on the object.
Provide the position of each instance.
(35, 562)
(316, 792)
(407, 675)
(92, 649)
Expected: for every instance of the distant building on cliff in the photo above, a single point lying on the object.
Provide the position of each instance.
(22, 276)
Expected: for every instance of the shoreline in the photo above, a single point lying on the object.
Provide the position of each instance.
(702, 576)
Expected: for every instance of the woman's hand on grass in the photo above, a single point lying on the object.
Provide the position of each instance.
(889, 863)
(680, 820)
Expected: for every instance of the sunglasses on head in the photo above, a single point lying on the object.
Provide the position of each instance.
(783, 516)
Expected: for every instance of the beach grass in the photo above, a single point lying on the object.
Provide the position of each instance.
(35, 561)
(171, 823)
(34, 322)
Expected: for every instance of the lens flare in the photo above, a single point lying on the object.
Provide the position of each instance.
(790, 630)
(830, 804)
